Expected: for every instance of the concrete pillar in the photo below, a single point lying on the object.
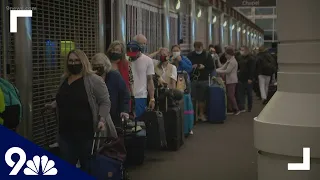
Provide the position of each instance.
(5, 38)
(210, 31)
(102, 25)
(166, 23)
(230, 31)
(222, 34)
(120, 25)
(23, 61)
(238, 33)
(193, 22)
(290, 121)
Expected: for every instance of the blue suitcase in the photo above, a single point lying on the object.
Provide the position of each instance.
(188, 114)
(217, 111)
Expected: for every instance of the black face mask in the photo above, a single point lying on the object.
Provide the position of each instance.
(99, 70)
(75, 68)
(115, 56)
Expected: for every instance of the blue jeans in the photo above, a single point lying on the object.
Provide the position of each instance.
(73, 149)
(244, 89)
(140, 106)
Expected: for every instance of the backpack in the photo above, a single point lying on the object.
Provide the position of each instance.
(269, 67)
(12, 111)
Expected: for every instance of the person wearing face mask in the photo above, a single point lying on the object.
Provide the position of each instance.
(166, 72)
(230, 69)
(246, 75)
(83, 107)
(203, 62)
(215, 56)
(118, 91)
(142, 70)
(142, 40)
(184, 64)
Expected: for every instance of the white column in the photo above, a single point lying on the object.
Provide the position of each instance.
(193, 23)
(291, 120)
(209, 25)
(166, 23)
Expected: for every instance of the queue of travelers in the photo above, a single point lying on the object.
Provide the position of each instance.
(98, 94)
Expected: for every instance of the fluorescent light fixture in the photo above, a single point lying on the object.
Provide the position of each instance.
(244, 31)
(178, 5)
(214, 20)
(232, 27)
(248, 33)
(199, 13)
(239, 29)
(225, 24)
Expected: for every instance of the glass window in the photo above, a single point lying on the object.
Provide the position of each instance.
(264, 23)
(268, 35)
(245, 11)
(264, 11)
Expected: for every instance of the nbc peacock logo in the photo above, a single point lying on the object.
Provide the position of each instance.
(47, 166)
(36, 166)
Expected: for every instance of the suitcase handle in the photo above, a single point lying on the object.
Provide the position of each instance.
(96, 136)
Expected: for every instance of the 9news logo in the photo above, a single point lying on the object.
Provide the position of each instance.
(33, 166)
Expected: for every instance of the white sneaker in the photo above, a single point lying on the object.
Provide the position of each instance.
(230, 113)
(237, 113)
(191, 132)
(243, 111)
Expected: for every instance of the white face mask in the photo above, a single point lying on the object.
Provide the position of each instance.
(198, 52)
(175, 54)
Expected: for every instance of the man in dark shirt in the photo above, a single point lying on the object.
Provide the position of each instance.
(203, 65)
(246, 63)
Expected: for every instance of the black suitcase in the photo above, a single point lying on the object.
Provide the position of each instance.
(173, 126)
(135, 142)
(156, 137)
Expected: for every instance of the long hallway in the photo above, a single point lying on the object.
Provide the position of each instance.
(216, 151)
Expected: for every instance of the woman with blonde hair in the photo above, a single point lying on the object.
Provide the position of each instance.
(166, 72)
(117, 57)
(83, 106)
(119, 94)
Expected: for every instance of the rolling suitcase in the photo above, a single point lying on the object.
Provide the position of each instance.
(135, 142)
(156, 137)
(174, 127)
(217, 106)
(103, 167)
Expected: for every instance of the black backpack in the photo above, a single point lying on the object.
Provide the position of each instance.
(269, 66)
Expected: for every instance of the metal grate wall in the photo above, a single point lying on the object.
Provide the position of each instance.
(10, 63)
(57, 27)
(145, 19)
(173, 29)
(185, 33)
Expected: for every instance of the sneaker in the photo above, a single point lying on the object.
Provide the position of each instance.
(243, 111)
(191, 132)
(230, 113)
(237, 113)
(203, 118)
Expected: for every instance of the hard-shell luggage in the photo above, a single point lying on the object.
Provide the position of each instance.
(188, 114)
(174, 129)
(103, 167)
(156, 135)
(217, 106)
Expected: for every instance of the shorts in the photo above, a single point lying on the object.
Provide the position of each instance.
(199, 90)
(140, 106)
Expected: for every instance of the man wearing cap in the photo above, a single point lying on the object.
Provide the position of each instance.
(142, 70)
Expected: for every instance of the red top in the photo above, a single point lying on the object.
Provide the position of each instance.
(123, 67)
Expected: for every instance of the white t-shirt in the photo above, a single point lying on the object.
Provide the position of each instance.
(141, 68)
